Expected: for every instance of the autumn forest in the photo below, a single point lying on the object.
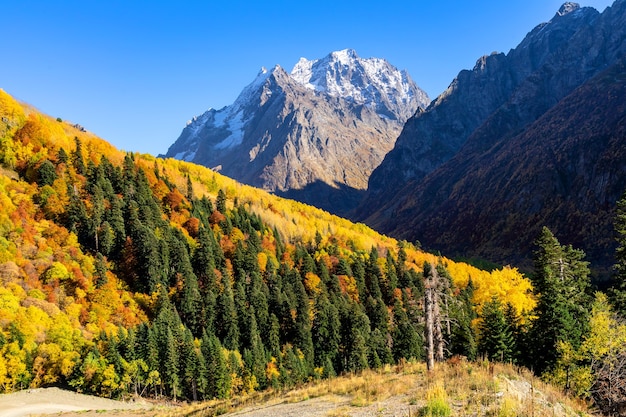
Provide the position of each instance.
(124, 274)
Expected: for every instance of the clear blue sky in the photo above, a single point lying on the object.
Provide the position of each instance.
(134, 71)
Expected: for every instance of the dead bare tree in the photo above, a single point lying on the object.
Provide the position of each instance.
(434, 335)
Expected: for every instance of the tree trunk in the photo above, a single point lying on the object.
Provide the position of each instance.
(430, 345)
(437, 333)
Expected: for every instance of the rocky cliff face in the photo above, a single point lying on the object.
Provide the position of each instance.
(434, 136)
(458, 167)
(314, 134)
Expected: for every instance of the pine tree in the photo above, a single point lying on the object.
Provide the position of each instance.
(618, 292)
(561, 280)
(373, 275)
(219, 380)
(390, 282)
(220, 203)
(273, 339)
(379, 353)
(325, 331)
(171, 364)
(496, 340)
(227, 322)
(77, 157)
(462, 339)
(303, 340)
(190, 373)
(406, 341)
(46, 174)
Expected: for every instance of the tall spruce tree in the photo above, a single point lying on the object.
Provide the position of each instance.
(325, 331)
(219, 379)
(496, 341)
(618, 292)
(561, 281)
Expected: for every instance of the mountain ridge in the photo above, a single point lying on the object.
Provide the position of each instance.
(433, 136)
(567, 52)
(315, 134)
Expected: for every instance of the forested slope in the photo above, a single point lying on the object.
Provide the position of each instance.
(122, 273)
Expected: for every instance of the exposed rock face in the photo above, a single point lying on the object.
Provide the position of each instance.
(445, 182)
(315, 134)
(432, 137)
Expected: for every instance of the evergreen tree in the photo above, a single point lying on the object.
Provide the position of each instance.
(77, 157)
(462, 339)
(100, 272)
(406, 341)
(390, 282)
(357, 356)
(219, 379)
(191, 375)
(325, 331)
(46, 174)
(379, 353)
(355, 328)
(257, 361)
(373, 275)
(496, 340)
(618, 292)
(227, 322)
(561, 280)
(62, 156)
(171, 364)
(220, 202)
(189, 188)
(304, 340)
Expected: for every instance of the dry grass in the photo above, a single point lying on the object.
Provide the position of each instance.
(453, 389)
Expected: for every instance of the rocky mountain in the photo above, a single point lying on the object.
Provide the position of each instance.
(314, 134)
(526, 139)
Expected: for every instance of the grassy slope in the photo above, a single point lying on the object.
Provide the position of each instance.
(456, 388)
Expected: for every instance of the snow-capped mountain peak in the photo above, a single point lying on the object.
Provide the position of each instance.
(372, 81)
(330, 121)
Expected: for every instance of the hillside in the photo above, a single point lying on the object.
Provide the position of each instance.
(123, 274)
(459, 388)
(566, 171)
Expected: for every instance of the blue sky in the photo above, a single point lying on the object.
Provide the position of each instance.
(134, 71)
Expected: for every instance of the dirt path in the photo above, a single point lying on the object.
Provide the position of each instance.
(54, 400)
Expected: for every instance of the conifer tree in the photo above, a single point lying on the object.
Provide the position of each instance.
(220, 203)
(171, 364)
(355, 328)
(303, 340)
(325, 331)
(227, 322)
(77, 157)
(219, 380)
(191, 375)
(62, 156)
(379, 353)
(46, 173)
(618, 292)
(373, 275)
(561, 280)
(406, 341)
(390, 282)
(273, 339)
(496, 340)
(462, 339)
